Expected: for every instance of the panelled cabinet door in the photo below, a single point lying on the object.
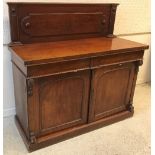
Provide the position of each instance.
(63, 100)
(111, 90)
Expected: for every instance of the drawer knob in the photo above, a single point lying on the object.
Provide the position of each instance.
(27, 25)
(13, 10)
(103, 21)
(120, 64)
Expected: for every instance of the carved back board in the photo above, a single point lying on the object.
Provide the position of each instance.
(34, 22)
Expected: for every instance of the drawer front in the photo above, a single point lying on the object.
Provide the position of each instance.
(58, 68)
(116, 58)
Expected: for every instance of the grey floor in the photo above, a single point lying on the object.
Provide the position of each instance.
(128, 137)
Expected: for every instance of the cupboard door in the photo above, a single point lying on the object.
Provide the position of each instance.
(111, 90)
(63, 100)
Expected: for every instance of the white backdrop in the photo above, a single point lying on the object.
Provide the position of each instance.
(132, 22)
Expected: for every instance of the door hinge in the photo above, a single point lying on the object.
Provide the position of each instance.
(30, 83)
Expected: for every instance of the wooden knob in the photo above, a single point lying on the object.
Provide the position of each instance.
(120, 64)
(27, 25)
(13, 10)
(103, 21)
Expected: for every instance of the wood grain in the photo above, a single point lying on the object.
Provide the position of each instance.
(61, 105)
(110, 89)
(64, 50)
(64, 87)
(35, 22)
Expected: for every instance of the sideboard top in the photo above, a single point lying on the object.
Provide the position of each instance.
(72, 49)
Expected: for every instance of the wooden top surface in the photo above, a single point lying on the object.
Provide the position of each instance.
(72, 49)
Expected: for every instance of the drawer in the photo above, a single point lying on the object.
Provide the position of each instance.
(116, 58)
(58, 67)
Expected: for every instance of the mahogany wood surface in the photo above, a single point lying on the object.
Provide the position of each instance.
(66, 82)
(21, 97)
(60, 100)
(62, 50)
(111, 86)
(42, 22)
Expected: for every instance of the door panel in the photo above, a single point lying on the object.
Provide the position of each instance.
(111, 88)
(63, 100)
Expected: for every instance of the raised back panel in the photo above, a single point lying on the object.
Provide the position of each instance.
(34, 22)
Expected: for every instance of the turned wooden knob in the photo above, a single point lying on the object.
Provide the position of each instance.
(27, 25)
(13, 10)
(120, 64)
(103, 21)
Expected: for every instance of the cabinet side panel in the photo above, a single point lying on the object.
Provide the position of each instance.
(20, 98)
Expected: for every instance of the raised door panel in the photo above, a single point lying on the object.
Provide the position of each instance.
(111, 90)
(63, 101)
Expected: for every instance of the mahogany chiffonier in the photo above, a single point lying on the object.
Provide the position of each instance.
(71, 74)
